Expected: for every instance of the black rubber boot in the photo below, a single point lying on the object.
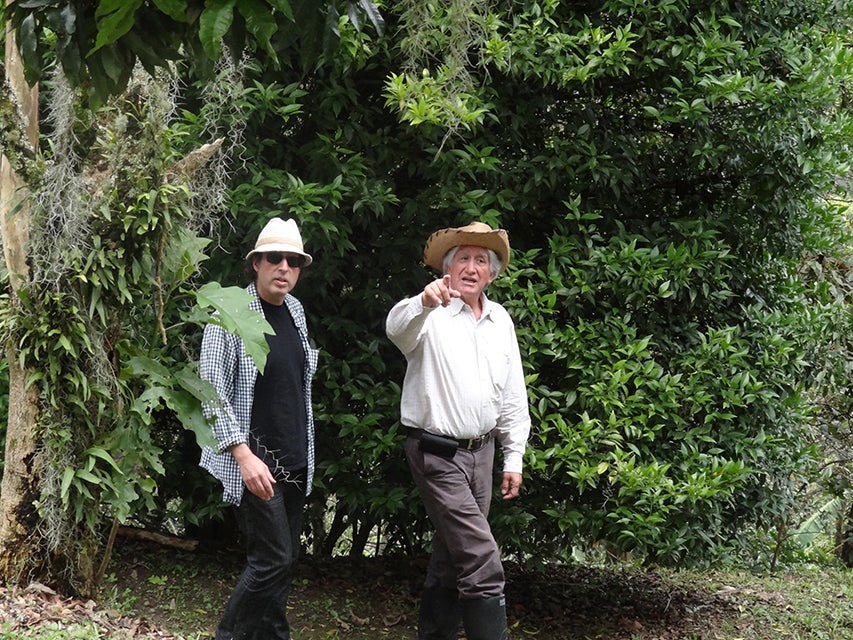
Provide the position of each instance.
(485, 619)
(440, 615)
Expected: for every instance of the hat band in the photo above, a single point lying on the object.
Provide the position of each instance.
(288, 241)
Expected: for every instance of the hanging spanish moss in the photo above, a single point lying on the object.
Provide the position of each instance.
(208, 187)
(445, 43)
(446, 36)
(119, 208)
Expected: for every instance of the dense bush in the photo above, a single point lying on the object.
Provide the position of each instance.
(664, 172)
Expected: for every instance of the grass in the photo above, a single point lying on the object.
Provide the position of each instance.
(813, 603)
(372, 599)
(53, 631)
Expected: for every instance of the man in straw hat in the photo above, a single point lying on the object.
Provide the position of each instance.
(264, 429)
(464, 389)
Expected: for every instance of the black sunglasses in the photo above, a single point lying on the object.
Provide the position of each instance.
(294, 262)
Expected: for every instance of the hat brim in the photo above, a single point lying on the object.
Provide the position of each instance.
(442, 241)
(283, 248)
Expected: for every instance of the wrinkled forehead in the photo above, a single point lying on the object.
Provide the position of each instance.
(471, 250)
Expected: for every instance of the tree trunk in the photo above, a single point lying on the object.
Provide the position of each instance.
(845, 534)
(19, 492)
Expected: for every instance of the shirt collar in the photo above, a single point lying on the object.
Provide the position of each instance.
(457, 306)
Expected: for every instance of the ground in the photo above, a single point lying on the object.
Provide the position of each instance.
(154, 591)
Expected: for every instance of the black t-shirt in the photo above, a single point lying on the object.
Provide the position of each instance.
(279, 421)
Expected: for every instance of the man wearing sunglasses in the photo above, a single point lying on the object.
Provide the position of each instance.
(264, 430)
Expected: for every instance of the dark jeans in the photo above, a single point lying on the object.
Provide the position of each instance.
(257, 608)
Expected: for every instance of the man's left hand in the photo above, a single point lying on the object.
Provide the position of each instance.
(510, 485)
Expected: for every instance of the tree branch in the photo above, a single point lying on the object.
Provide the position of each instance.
(194, 160)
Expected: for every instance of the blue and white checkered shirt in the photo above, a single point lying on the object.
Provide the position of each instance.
(223, 362)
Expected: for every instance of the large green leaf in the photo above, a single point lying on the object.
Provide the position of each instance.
(234, 315)
(189, 381)
(112, 62)
(256, 13)
(214, 23)
(185, 398)
(175, 9)
(189, 412)
(114, 18)
(63, 21)
(373, 14)
(28, 46)
(283, 6)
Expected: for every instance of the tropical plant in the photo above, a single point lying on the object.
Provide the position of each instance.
(97, 45)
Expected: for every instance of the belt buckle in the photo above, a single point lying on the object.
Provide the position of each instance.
(478, 442)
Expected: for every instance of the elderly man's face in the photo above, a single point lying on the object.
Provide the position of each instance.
(469, 272)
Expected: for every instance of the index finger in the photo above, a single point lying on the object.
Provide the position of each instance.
(450, 290)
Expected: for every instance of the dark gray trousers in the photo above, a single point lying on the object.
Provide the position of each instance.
(456, 493)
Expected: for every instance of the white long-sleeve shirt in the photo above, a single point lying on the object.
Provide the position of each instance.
(464, 376)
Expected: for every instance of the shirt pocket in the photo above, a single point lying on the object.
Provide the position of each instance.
(497, 362)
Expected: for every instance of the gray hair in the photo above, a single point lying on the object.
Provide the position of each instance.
(494, 261)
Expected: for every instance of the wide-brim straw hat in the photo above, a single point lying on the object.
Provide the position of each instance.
(476, 234)
(280, 235)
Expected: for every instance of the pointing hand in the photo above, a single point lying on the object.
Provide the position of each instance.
(439, 292)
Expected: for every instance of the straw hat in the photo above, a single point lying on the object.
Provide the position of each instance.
(280, 235)
(477, 234)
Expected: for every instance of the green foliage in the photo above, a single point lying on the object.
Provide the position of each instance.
(671, 340)
(820, 522)
(664, 172)
(653, 439)
(96, 422)
(105, 323)
(99, 44)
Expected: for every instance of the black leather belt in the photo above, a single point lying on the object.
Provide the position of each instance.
(471, 444)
